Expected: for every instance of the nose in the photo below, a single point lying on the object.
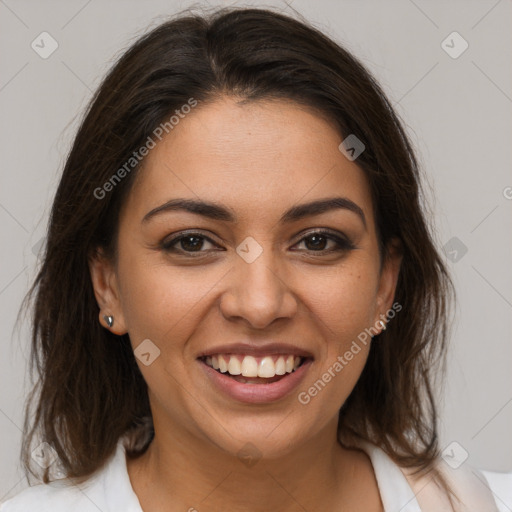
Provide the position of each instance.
(258, 293)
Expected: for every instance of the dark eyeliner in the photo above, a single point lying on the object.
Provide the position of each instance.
(344, 244)
(167, 245)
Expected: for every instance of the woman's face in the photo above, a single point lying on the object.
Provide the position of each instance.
(251, 277)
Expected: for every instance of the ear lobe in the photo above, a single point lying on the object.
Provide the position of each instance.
(106, 291)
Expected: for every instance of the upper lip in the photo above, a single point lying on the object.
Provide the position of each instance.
(256, 349)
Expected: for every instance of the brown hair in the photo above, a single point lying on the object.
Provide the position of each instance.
(83, 369)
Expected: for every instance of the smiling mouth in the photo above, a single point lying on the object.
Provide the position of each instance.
(248, 369)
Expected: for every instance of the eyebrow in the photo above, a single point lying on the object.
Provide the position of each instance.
(216, 211)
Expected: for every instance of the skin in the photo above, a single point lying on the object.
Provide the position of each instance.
(258, 160)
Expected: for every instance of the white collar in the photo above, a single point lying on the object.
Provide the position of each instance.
(395, 491)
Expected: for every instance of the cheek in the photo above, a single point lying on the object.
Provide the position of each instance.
(342, 306)
(343, 301)
(165, 305)
(160, 302)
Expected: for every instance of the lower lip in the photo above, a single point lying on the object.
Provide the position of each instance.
(257, 393)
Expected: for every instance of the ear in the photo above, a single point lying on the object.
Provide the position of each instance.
(106, 291)
(389, 278)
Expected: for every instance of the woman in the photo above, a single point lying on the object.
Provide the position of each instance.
(241, 306)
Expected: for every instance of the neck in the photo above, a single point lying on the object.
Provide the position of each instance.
(187, 473)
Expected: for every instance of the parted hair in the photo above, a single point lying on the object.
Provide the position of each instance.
(88, 390)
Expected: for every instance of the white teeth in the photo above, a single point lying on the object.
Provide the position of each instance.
(267, 368)
(280, 366)
(248, 366)
(234, 366)
(223, 365)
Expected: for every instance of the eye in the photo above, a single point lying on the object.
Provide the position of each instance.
(317, 241)
(191, 242)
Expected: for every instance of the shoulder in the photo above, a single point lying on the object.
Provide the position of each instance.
(108, 489)
(500, 485)
(403, 489)
(57, 496)
(485, 491)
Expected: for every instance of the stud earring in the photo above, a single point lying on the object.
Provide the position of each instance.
(383, 325)
(109, 319)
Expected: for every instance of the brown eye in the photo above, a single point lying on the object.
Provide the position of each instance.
(319, 240)
(191, 242)
(187, 243)
(316, 242)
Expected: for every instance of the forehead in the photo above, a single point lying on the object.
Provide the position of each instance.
(257, 158)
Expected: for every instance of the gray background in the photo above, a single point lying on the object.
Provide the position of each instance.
(457, 111)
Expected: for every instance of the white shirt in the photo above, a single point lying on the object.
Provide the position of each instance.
(110, 490)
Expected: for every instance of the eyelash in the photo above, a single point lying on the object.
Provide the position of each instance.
(344, 244)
